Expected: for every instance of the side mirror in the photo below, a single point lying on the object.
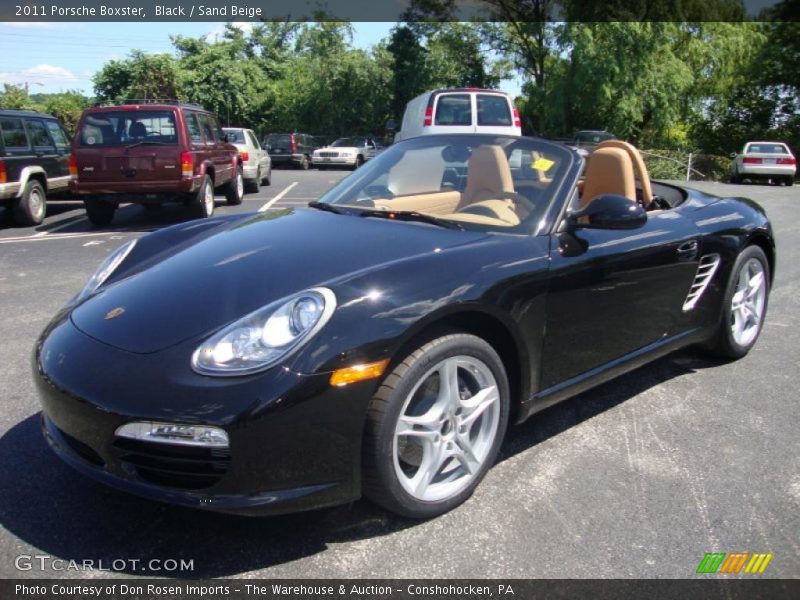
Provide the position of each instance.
(391, 125)
(609, 211)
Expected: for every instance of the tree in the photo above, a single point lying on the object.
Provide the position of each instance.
(140, 76)
(67, 106)
(409, 75)
(15, 97)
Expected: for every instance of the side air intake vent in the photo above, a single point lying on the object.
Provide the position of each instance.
(705, 271)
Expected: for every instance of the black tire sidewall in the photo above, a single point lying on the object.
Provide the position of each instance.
(725, 342)
(440, 349)
(100, 212)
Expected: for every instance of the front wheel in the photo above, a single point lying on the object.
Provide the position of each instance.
(203, 202)
(434, 426)
(745, 304)
(30, 208)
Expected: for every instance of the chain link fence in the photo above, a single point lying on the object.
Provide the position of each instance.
(689, 166)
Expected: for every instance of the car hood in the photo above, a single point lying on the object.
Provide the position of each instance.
(246, 265)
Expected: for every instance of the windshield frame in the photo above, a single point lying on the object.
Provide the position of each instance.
(539, 224)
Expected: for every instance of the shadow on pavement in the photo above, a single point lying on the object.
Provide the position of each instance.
(60, 513)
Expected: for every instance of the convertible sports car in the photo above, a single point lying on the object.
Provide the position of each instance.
(379, 341)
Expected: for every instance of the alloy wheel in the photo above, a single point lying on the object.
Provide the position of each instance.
(747, 304)
(446, 428)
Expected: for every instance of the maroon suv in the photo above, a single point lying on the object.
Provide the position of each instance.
(150, 154)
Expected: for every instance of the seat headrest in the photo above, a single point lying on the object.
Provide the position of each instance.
(137, 130)
(610, 171)
(488, 175)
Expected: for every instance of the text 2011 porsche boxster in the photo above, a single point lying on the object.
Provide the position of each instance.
(379, 341)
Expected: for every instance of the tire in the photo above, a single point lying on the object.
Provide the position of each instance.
(268, 179)
(789, 180)
(726, 343)
(304, 163)
(203, 201)
(234, 189)
(99, 212)
(30, 208)
(359, 162)
(253, 186)
(390, 478)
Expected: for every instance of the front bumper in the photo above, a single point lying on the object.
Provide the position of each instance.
(9, 190)
(295, 442)
(334, 160)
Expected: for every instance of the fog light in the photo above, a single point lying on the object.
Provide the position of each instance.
(172, 433)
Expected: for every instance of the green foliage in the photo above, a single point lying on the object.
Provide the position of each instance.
(140, 76)
(14, 97)
(67, 106)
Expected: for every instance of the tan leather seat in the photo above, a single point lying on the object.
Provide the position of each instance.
(638, 166)
(488, 176)
(610, 171)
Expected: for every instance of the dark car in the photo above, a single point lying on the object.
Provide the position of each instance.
(379, 341)
(151, 154)
(292, 149)
(34, 162)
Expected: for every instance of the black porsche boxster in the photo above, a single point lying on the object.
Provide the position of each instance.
(379, 342)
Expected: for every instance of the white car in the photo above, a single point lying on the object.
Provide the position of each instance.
(460, 110)
(764, 160)
(256, 163)
(346, 152)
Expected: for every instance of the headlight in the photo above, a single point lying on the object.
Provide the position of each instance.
(106, 268)
(264, 337)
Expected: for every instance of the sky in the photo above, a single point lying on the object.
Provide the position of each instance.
(54, 57)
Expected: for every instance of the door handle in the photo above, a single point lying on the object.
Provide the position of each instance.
(688, 250)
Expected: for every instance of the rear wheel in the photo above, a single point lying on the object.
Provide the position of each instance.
(745, 304)
(253, 185)
(304, 163)
(434, 426)
(268, 179)
(359, 162)
(203, 202)
(234, 190)
(31, 207)
(100, 212)
(789, 180)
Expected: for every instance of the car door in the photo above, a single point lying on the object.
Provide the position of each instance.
(60, 138)
(255, 149)
(613, 292)
(213, 150)
(18, 153)
(44, 150)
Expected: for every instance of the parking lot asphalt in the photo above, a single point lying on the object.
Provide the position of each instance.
(637, 478)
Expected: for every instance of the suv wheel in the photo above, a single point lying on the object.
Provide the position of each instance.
(99, 212)
(203, 202)
(30, 208)
(234, 191)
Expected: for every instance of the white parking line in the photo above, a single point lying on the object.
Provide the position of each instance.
(285, 191)
(68, 236)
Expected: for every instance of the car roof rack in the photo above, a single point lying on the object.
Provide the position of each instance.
(140, 101)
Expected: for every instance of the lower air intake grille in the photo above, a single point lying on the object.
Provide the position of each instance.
(705, 271)
(170, 465)
(82, 450)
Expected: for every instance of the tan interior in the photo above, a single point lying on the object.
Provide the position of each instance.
(488, 176)
(438, 203)
(638, 165)
(610, 171)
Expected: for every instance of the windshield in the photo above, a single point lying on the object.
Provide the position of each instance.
(767, 148)
(483, 182)
(123, 128)
(349, 141)
(235, 136)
